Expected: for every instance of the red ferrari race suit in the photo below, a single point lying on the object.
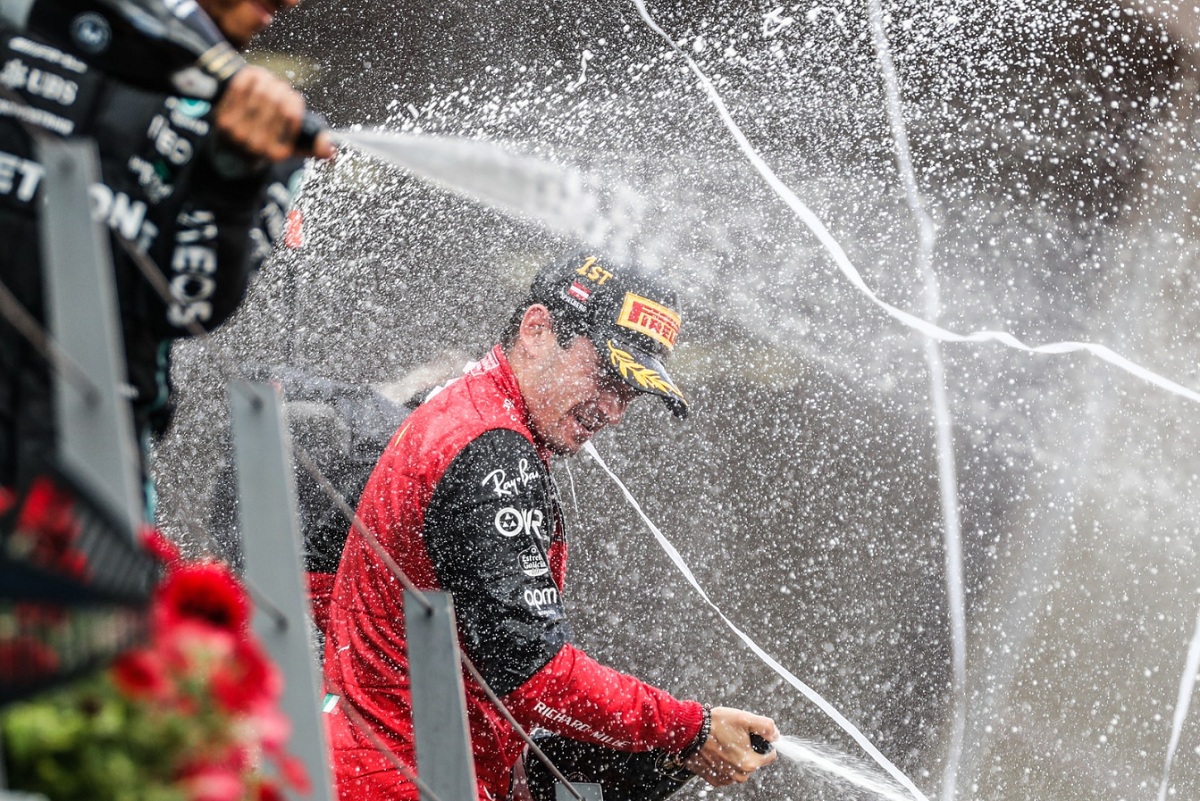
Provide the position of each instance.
(464, 501)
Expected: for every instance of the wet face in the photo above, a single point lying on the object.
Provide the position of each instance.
(240, 20)
(572, 396)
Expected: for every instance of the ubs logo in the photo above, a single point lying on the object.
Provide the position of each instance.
(91, 32)
(16, 74)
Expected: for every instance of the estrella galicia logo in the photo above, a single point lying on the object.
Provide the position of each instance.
(91, 32)
(532, 563)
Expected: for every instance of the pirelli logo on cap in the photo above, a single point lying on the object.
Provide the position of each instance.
(652, 319)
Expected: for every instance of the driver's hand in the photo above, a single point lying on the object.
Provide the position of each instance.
(726, 757)
(261, 113)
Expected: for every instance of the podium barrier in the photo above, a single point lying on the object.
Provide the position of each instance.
(271, 543)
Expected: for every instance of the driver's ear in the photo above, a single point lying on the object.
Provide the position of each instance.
(537, 329)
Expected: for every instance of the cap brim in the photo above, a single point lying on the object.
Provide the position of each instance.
(644, 373)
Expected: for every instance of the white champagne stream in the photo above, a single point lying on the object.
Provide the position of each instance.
(516, 184)
(947, 474)
(834, 764)
(560, 198)
(848, 270)
(1187, 684)
(808, 692)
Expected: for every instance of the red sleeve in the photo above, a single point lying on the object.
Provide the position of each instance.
(577, 697)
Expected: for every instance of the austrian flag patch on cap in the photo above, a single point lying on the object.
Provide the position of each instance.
(629, 314)
(578, 292)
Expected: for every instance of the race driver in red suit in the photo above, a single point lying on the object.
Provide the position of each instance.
(464, 501)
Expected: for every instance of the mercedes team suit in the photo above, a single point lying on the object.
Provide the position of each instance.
(205, 217)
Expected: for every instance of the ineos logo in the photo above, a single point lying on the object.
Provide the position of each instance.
(91, 32)
(541, 597)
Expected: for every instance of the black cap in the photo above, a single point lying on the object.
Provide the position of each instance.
(631, 316)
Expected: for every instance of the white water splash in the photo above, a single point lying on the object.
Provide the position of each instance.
(584, 58)
(847, 269)
(947, 472)
(1187, 684)
(830, 765)
(808, 692)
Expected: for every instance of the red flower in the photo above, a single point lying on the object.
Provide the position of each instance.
(212, 783)
(38, 615)
(46, 530)
(23, 658)
(247, 680)
(48, 508)
(161, 548)
(240, 757)
(294, 773)
(187, 645)
(206, 592)
(269, 791)
(73, 562)
(142, 674)
(272, 729)
(204, 662)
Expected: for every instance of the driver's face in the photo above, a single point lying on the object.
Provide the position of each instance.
(576, 397)
(240, 20)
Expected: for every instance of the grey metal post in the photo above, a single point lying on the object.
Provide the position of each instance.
(95, 429)
(271, 544)
(589, 790)
(444, 761)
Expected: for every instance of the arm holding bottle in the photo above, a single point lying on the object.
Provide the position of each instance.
(726, 755)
